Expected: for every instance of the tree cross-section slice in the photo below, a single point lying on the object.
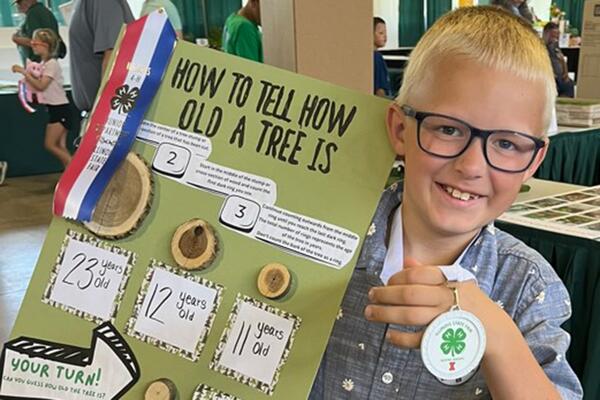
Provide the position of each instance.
(194, 244)
(161, 389)
(274, 280)
(125, 201)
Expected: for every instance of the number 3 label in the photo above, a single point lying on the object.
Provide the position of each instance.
(171, 160)
(239, 213)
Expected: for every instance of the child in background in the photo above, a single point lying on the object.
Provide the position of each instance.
(45, 43)
(381, 85)
(470, 120)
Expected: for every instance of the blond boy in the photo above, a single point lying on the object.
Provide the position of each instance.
(470, 121)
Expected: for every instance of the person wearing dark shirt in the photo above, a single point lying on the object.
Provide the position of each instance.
(381, 84)
(517, 7)
(564, 84)
(37, 16)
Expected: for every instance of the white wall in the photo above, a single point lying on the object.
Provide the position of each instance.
(388, 10)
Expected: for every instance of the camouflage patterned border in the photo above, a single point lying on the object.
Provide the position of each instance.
(82, 237)
(205, 392)
(263, 387)
(137, 309)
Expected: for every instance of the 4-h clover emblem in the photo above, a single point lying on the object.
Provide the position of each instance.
(453, 341)
(124, 98)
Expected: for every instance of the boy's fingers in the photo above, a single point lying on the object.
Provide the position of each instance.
(402, 315)
(411, 295)
(424, 275)
(406, 340)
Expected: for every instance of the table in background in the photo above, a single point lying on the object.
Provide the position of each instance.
(573, 157)
(577, 262)
(22, 137)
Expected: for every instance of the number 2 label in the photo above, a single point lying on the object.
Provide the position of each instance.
(171, 160)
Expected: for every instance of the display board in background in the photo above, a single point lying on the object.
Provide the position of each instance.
(575, 213)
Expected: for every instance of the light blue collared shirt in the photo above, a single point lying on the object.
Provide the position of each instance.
(360, 364)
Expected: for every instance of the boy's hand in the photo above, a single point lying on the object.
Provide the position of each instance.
(18, 69)
(417, 295)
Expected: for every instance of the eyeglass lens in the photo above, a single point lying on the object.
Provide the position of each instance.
(505, 150)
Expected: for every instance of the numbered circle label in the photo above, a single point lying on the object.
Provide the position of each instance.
(239, 213)
(171, 160)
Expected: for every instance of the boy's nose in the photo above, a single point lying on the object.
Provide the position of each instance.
(472, 163)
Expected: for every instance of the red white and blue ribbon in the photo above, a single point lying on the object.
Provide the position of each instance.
(23, 97)
(138, 69)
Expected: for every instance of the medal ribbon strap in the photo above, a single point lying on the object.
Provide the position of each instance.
(138, 69)
(22, 90)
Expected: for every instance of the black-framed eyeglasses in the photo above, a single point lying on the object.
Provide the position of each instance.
(448, 137)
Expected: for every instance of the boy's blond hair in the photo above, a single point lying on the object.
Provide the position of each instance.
(489, 36)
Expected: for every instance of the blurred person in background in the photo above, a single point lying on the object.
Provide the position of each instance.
(381, 83)
(517, 7)
(93, 31)
(564, 84)
(172, 13)
(241, 35)
(37, 16)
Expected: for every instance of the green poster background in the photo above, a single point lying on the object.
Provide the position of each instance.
(346, 197)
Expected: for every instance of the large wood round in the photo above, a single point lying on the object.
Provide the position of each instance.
(125, 201)
(194, 244)
(161, 389)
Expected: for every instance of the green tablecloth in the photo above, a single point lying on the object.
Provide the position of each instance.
(573, 157)
(577, 262)
(22, 138)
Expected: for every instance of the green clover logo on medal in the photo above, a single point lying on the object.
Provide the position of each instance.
(124, 99)
(453, 341)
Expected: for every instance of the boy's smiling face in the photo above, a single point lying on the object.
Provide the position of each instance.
(487, 99)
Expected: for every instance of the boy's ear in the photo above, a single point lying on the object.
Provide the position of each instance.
(396, 126)
(539, 157)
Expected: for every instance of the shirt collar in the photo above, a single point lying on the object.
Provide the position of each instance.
(479, 257)
(394, 259)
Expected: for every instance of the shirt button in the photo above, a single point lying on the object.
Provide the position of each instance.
(387, 378)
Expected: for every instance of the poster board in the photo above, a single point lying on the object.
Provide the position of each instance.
(285, 169)
(588, 75)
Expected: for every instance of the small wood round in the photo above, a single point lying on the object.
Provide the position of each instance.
(161, 389)
(273, 280)
(125, 200)
(194, 245)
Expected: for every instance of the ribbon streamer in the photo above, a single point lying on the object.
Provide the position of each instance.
(23, 97)
(138, 69)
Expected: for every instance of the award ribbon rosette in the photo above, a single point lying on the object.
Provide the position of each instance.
(138, 69)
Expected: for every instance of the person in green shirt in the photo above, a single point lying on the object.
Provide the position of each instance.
(37, 16)
(241, 35)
